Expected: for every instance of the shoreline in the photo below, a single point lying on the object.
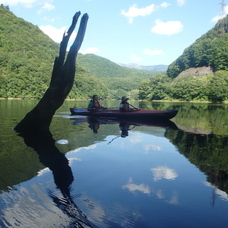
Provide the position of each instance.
(154, 101)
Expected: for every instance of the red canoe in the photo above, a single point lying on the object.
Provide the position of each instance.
(138, 114)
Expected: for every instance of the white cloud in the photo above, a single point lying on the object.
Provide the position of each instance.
(174, 199)
(165, 4)
(26, 3)
(151, 147)
(223, 195)
(181, 2)
(56, 34)
(153, 52)
(136, 187)
(48, 6)
(43, 171)
(135, 136)
(218, 17)
(62, 141)
(52, 20)
(91, 50)
(135, 58)
(91, 147)
(167, 28)
(134, 11)
(163, 172)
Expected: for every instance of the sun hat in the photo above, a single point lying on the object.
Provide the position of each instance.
(124, 98)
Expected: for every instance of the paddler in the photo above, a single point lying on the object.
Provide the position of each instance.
(125, 106)
(94, 104)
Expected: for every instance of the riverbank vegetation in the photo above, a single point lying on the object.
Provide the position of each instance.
(213, 88)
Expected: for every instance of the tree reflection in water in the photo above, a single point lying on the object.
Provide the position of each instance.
(202, 148)
(208, 152)
(50, 156)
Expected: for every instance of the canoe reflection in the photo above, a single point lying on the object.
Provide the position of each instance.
(124, 125)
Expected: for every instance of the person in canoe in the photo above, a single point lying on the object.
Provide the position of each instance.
(94, 104)
(125, 106)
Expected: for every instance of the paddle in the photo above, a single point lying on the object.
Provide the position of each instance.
(121, 99)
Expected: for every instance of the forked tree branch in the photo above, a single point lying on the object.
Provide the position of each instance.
(62, 80)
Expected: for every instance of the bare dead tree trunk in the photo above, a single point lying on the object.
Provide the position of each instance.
(62, 80)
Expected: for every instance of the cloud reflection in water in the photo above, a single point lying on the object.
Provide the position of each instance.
(163, 172)
(136, 187)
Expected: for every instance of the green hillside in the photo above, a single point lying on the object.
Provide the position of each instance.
(208, 52)
(114, 76)
(26, 61)
(211, 49)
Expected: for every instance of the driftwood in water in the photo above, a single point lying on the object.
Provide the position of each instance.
(61, 83)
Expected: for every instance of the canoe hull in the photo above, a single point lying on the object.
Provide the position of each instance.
(139, 114)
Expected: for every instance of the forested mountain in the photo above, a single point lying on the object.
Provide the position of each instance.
(26, 60)
(211, 49)
(160, 67)
(117, 78)
(27, 56)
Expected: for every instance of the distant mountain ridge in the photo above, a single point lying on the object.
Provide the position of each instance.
(113, 75)
(160, 67)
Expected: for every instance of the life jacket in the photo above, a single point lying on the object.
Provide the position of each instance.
(96, 104)
(124, 106)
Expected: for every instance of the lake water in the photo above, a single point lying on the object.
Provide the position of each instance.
(97, 175)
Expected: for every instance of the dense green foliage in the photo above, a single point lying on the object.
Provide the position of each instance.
(156, 88)
(189, 88)
(86, 85)
(209, 50)
(218, 86)
(26, 57)
(186, 88)
(26, 60)
(119, 79)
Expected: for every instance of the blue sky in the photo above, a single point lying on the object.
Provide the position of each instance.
(126, 31)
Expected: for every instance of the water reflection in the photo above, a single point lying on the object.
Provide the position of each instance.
(156, 176)
(207, 151)
(125, 126)
(202, 148)
(154, 179)
(50, 156)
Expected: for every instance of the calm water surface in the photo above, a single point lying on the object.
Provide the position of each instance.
(109, 174)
